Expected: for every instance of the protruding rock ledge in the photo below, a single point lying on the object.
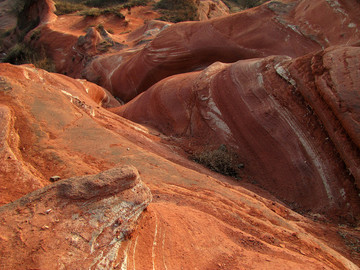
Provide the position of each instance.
(77, 221)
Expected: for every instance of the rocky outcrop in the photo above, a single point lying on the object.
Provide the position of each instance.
(33, 13)
(286, 119)
(208, 9)
(329, 82)
(147, 32)
(19, 144)
(77, 222)
(65, 42)
(12, 165)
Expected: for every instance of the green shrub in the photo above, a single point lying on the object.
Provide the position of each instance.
(113, 10)
(63, 7)
(91, 12)
(238, 5)
(18, 54)
(94, 8)
(136, 3)
(17, 6)
(221, 160)
(104, 46)
(6, 33)
(177, 10)
(103, 3)
(42, 61)
(95, 12)
(21, 53)
(35, 34)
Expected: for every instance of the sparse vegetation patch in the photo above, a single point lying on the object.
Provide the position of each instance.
(96, 8)
(222, 160)
(63, 7)
(238, 5)
(177, 10)
(21, 53)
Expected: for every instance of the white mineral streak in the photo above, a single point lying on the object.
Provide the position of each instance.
(285, 116)
(212, 113)
(153, 255)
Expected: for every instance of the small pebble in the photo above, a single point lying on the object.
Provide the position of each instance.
(55, 178)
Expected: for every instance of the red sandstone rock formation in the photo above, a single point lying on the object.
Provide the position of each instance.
(12, 165)
(19, 144)
(195, 214)
(283, 117)
(275, 28)
(293, 120)
(63, 37)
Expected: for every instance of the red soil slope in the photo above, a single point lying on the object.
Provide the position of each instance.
(197, 219)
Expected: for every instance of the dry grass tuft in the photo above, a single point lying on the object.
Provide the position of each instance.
(221, 160)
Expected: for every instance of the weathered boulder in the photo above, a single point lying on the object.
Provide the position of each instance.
(79, 222)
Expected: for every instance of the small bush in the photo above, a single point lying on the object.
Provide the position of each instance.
(136, 3)
(91, 12)
(102, 3)
(221, 160)
(6, 33)
(94, 8)
(18, 54)
(250, 3)
(95, 12)
(35, 34)
(68, 8)
(113, 10)
(21, 53)
(17, 6)
(238, 5)
(104, 46)
(177, 10)
(42, 61)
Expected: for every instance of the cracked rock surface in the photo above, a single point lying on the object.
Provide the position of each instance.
(75, 223)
